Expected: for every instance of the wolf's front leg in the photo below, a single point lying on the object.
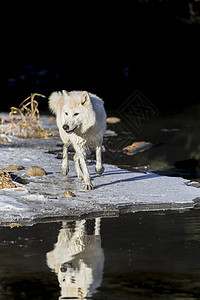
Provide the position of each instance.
(99, 167)
(86, 176)
(77, 167)
(65, 166)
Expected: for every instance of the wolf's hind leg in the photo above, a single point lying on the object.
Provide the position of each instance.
(99, 167)
(65, 166)
(77, 167)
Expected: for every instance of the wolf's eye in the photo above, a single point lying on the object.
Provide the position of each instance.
(66, 113)
(76, 114)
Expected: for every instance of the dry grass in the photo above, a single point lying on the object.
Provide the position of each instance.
(6, 181)
(24, 122)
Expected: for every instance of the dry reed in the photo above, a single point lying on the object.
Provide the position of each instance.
(24, 122)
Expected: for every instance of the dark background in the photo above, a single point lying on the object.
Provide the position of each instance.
(111, 50)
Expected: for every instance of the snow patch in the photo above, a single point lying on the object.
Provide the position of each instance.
(116, 190)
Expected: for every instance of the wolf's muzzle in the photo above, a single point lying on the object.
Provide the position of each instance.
(66, 127)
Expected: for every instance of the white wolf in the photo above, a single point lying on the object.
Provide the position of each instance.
(81, 119)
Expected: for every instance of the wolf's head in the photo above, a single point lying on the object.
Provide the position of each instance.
(77, 112)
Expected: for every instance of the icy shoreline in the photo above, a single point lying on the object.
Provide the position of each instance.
(116, 191)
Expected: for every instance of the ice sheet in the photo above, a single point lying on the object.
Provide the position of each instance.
(115, 191)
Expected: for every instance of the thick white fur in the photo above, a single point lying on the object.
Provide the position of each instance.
(84, 115)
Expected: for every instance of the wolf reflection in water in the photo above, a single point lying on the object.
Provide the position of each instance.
(77, 259)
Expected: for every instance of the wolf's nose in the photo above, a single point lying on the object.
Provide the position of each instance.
(65, 127)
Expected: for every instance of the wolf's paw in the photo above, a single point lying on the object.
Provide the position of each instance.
(99, 171)
(64, 171)
(88, 186)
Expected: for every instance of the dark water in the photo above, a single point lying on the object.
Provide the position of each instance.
(136, 256)
(175, 145)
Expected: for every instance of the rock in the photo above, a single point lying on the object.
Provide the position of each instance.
(14, 168)
(15, 225)
(68, 194)
(113, 120)
(35, 171)
(137, 147)
(18, 178)
(6, 181)
(51, 119)
(4, 140)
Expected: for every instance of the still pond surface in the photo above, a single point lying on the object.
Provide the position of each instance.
(144, 255)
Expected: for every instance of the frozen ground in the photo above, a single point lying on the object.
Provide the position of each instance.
(116, 191)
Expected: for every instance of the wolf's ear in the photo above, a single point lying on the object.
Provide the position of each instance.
(55, 102)
(85, 98)
(65, 93)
